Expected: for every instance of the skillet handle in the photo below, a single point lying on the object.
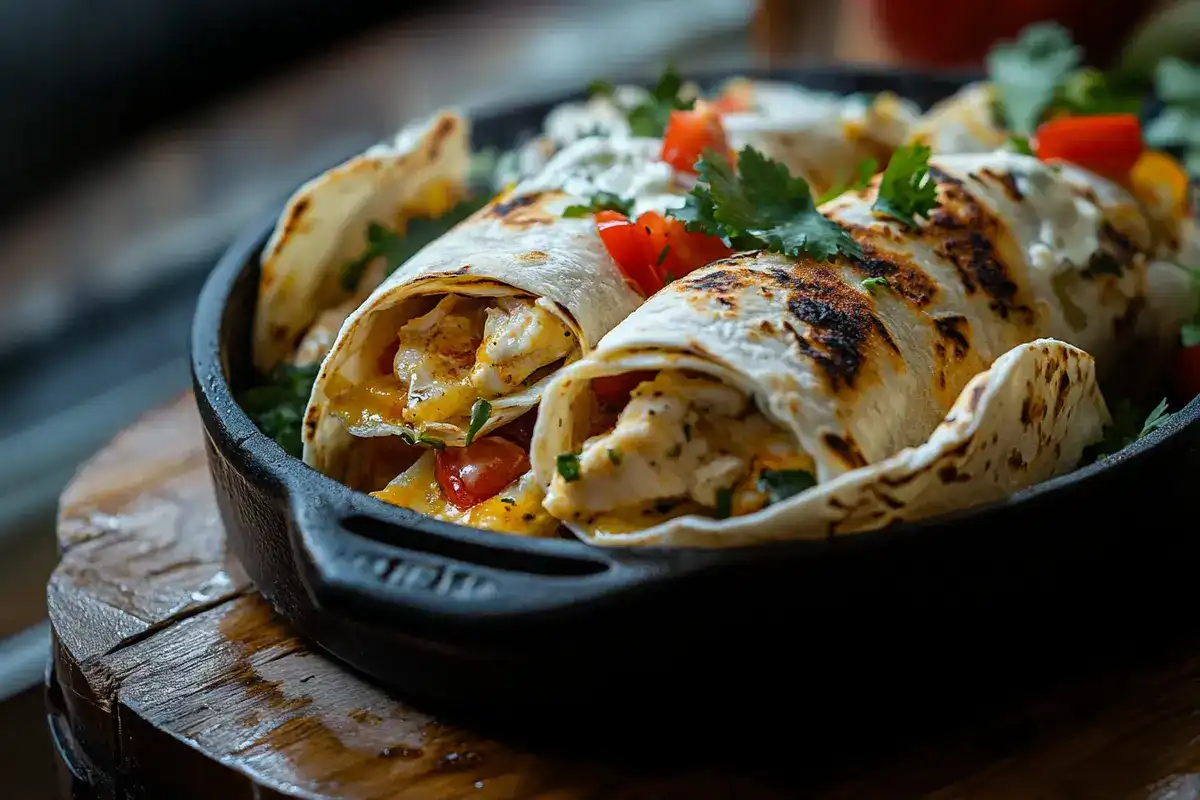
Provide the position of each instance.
(363, 559)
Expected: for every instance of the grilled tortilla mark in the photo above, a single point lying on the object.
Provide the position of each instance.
(1116, 253)
(963, 231)
(524, 211)
(1007, 181)
(846, 449)
(294, 216)
(840, 320)
(1032, 411)
(903, 275)
(1064, 386)
(445, 127)
(951, 328)
(714, 280)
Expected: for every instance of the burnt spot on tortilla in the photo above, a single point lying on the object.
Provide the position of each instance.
(964, 232)
(1064, 386)
(1033, 410)
(297, 212)
(310, 422)
(1016, 460)
(846, 449)
(840, 320)
(955, 330)
(1007, 182)
(902, 274)
(279, 333)
(523, 211)
(441, 133)
(976, 396)
(714, 280)
(533, 257)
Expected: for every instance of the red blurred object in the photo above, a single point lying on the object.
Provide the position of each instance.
(954, 33)
(1109, 144)
(689, 134)
(1186, 375)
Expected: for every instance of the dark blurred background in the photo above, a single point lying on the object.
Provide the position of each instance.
(139, 136)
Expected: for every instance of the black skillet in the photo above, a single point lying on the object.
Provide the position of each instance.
(503, 623)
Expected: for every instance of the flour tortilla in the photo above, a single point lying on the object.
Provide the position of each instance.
(323, 227)
(1026, 419)
(520, 245)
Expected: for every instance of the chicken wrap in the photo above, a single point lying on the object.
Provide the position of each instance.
(761, 378)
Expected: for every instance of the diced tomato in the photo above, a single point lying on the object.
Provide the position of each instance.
(677, 252)
(1107, 144)
(613, 390)
(520, 430)
(1186, 374)
(627, 243)
(689, 134)
(470, 475)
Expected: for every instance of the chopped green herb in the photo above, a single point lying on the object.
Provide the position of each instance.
(398, 248)
(872, 284)
(761, 207)
(669, 277)
(1127, 427)
(568, 466)
(436, 444)
(1088, 92)
(277, 404)
(779, 485)
(601, 201)
(480, 412)
(662, 256)
(724, 503)
(508, 501)
(650, 117)
(1020, 144)
(1190, 334)
(907, 191)
(865, 170)
(614, 456)
(1027, 72)
(600, 88)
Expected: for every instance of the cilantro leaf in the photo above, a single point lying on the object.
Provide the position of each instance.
(398, 248)
(865, 170)
(1020, 144)
(650, 117)
(480, 412)
(1177, 84)
(278, 403)
(1127, 427)
(762, 206)
(871, 284)
(724, 503)
(1189, 334)
(601, 201)
(600, 88)
(906, 190)
(1088, 92)
(1027, 72)
(779, 485)
(568, 466)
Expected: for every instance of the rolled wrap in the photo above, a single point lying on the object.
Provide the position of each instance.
(422, 172)
(519, 246)
(855, 373)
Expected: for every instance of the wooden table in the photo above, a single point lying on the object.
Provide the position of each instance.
(172, 678)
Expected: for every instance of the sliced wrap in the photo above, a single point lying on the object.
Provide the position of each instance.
(423, 172)
(765, 363)
(488, 311)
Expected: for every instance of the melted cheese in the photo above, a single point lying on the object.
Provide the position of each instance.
(461, 350)
(678, 444)
(516, 509)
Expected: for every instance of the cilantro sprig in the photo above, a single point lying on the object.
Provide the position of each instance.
(600, 201)
(1177, 84)
(278, 403)
(779, 485)
(397, 248)
(650, 117)
(480, 412)
(761, 206)
(1127, 427)
(906, 190)
(1026, 72)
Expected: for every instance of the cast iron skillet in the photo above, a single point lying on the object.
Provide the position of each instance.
(485, 619)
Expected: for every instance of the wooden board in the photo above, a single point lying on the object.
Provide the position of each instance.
(178, 681)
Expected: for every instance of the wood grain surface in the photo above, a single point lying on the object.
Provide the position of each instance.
(176, 680)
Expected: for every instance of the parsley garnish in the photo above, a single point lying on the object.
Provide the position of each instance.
(1127, 427)
(1088, 92)
(601, 201)
(1177, 84)
(871, 284)
(600, 88)
(277, 405)
(865, 170)
(907, 191)
(614, 456)
(568, 466)
(724, 503)
(761, 207)
(649, 118)
(398, 248)
(1020, 144)
(1027, 72)
(480, 412)
(779, 485)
